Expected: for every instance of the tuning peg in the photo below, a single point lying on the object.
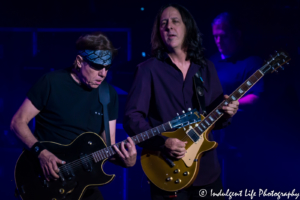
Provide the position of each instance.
(287, 63)
(189, 109)
(177, 114)
(183, 111)
(282, 67)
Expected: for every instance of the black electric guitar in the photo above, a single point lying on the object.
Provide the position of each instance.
(171, 174)
(84, 158)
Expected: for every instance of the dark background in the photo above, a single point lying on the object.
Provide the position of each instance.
(39, 36)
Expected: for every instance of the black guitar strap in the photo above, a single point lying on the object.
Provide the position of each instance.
(199, 88)
(104, 98)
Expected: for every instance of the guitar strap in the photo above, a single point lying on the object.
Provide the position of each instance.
(104, 98)
(199, 88)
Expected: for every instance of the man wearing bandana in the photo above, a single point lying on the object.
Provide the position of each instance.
(66, 103)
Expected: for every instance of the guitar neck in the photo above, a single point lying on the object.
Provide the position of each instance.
(216, 114)
(109, 151)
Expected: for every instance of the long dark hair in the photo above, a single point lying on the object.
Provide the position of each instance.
(192, 41)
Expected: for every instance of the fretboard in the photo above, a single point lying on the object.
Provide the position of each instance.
(109, 151)
(217, 113)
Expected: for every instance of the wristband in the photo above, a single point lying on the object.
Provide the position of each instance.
(37, 148)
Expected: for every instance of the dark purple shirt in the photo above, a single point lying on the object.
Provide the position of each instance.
(159, 92)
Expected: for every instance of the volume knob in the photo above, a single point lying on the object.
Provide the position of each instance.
(186, 173)
(178, 181)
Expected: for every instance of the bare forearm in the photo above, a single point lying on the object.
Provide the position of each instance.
(23, 132)
(19, 123)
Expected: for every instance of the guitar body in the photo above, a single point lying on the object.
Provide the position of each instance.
(30, 180)
(171, 174)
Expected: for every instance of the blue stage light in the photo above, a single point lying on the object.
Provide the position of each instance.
(142, 9)
(143, 54)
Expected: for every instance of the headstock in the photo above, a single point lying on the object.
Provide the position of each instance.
(276, 61)
(189, 117)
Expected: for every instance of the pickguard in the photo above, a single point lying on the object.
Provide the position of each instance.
(192, 152)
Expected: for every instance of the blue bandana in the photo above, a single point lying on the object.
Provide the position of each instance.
(98, 57)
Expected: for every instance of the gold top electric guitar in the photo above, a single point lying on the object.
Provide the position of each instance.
(170, 174)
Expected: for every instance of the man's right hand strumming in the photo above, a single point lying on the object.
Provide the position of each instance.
(49, 163)
(175, 148)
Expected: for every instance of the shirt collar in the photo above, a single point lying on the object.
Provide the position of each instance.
(165, 56)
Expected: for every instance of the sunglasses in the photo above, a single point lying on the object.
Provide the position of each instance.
(97, 66)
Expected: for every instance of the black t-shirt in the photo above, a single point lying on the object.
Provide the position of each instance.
(68, 109)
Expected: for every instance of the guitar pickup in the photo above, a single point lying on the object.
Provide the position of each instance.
(66, 172)
(86, 162)
(193, 135)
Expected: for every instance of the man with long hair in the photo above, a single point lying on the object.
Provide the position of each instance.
(163, 86)
(66, 103)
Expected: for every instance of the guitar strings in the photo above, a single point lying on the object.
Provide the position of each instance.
(78, 162)
(75, 164)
